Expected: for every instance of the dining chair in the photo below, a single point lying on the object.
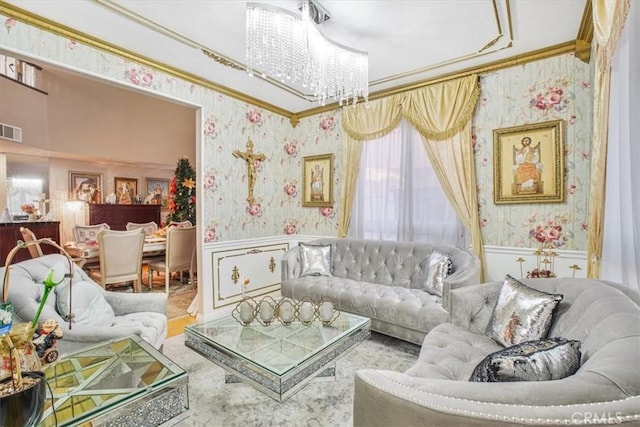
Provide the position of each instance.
(185, 223)
(27, 235)
(181, 242)
(120, 258)
(88, 233)
(148, 227)
(36, 251)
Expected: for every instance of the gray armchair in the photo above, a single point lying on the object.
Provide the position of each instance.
(100, 315)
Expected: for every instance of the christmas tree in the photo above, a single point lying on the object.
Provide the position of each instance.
(182, 193)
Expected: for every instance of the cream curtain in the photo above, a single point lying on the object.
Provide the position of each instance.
(442, 114)
(608, 18)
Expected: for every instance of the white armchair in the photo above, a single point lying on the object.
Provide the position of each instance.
(99, 315)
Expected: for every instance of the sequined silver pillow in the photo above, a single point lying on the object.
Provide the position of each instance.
(435, 271)
(542, 360)
(521, 313)
(315, 260)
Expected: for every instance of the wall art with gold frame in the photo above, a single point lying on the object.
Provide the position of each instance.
(126, 190)
(317, 181)
(528, 163)
(85, 186)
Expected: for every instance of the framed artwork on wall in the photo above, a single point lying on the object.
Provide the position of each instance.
(317, 181)
(157, 192)
(528, 163)
(126, 190)
(85, 186)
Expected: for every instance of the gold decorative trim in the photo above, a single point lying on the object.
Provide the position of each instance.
(64, 31)
(517, 60)
(223, 61)
(585, 34)
(235, 274)
(272, 264)
(68, 32)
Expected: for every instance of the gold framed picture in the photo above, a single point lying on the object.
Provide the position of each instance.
(85, 186)
(126, 190)
(528, 163)
(317, 181)
(157, 192)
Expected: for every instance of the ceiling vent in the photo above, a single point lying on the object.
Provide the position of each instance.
(12, 133)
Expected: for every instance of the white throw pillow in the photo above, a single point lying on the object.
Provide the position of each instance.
(87, 304)
(315, 260)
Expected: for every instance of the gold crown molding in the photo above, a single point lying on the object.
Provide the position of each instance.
(294, 118)
(536, 55)
(585, 34)
(216, 56)
(64, 31)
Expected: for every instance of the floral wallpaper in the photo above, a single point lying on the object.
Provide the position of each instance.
(555, 88)
(550, 89)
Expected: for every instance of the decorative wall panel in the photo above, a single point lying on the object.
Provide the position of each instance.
(249, 270)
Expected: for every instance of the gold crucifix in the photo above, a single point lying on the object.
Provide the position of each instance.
(250, 157)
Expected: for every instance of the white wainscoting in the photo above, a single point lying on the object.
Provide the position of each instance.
(258, 260)
(502, 260)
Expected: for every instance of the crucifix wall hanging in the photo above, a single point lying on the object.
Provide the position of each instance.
(251, 158)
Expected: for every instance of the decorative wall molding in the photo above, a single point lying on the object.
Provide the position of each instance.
(502, 260)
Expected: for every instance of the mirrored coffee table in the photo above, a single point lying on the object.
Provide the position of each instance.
(125, 383)
(277, 360)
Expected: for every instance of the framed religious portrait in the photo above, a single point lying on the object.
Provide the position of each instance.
(126, 190)
(317, 181)
(157, 192)
(528, 163)
(85, 186)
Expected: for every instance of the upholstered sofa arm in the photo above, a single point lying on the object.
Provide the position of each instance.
(133, 303)
(467, 272)
(290, 264)
(384, 398)
(470, 307)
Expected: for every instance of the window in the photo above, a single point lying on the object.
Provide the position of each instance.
(398, 196)
(21, 191)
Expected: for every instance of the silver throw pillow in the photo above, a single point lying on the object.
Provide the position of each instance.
(521, 313)
(315, 260)
(436, 271)
(550, 359)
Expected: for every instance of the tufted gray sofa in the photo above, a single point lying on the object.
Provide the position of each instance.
(382, 280)
(604, 316)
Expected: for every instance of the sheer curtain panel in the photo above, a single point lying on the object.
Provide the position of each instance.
(398, 196)
(621, 242)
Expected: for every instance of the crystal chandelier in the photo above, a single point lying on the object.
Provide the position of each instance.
(291, 49)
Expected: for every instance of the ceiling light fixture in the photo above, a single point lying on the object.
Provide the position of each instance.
(292, 49)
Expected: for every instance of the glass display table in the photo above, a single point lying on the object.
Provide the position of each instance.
(277, 360)
(125, 383)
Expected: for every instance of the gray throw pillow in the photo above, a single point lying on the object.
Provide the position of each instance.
(315, 260)
(436, 270)
(542, 360)
(521, 313)
(89, 307)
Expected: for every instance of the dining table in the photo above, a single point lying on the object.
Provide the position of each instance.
(91, 250)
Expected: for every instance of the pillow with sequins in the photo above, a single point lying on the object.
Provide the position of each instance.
(540, 360)
(315, 260)
(436, 271)
(521, 313)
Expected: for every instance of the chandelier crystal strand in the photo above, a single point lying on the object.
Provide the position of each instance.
(292, 50)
